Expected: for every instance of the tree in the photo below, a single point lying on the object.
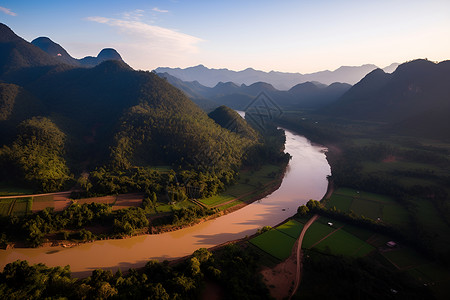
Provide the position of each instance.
(303, 210)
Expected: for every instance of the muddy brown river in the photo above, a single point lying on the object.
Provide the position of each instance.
(305, 179)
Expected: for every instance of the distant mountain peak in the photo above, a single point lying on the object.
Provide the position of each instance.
(49, 46)
(280, 80)
(109, 54)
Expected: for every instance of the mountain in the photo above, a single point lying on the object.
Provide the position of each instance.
(307, 95)
(55, 50)
(280, 80)
(16, 53)
(415, 98)
(105, 119)
(231, 120)
(61, 55)
(104, 55)
(194, 90)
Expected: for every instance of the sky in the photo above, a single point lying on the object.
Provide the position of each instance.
(290, 36)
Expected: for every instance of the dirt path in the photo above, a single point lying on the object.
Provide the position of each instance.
(299, 250)
(282, 280)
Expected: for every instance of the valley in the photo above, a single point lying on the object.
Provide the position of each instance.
(117, 182)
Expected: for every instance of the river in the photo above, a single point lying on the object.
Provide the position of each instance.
(305, 179)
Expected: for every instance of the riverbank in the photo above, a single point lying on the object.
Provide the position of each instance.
(305, 178)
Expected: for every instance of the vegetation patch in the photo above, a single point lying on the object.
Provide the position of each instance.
(359, 232)
(217, 199)
(5, 205)
(341, 202)
(291, 228)
(274, 242)
(344, 243)
(315, 232)
(404, 258)
(21, 206)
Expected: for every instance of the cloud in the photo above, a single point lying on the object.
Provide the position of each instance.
(144, 42)
(160, 10)
(151, 33)
(7, 11)
(135, 15)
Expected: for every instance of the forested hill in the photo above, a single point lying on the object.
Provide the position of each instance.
(231, 120)
(414, 100)
(16, 53)
(109, 117)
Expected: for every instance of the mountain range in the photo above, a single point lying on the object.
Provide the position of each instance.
(280, 80)
(60, 54)
(413, 100)
(308, 95)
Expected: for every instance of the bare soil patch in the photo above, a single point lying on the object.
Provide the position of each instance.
(281, 278)
(128, 200)
(390, 158)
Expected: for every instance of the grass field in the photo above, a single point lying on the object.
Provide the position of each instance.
(369, 205)
(430, 219)
(314, 233)
(21, 206)
(231, 204)
(15, 206)
(250, 183)
(344, 243)
(291, 228)
(341, 202)
(360, 233)
(405, 258)
(216, 200)
(274, 242)
(5, 205)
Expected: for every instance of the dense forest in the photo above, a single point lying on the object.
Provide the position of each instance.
(109, 122)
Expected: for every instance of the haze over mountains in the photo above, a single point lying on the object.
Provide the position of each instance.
(306, 95)
(280, 80)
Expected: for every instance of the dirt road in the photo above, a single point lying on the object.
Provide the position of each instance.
(299, 250)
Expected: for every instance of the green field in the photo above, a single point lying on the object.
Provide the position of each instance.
(231, 204)
(315, 232)
(370, 166)
(369, 205)
(405, 258)
(367, 208)
(20, 207)
(15, 206)
(5, 205)
(344, 243)
(361, 233)
(291, 228)
(216, 200)
(274, 242)
(430, 219)
(341, 202)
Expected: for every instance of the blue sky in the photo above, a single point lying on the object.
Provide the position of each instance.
(292, 36)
